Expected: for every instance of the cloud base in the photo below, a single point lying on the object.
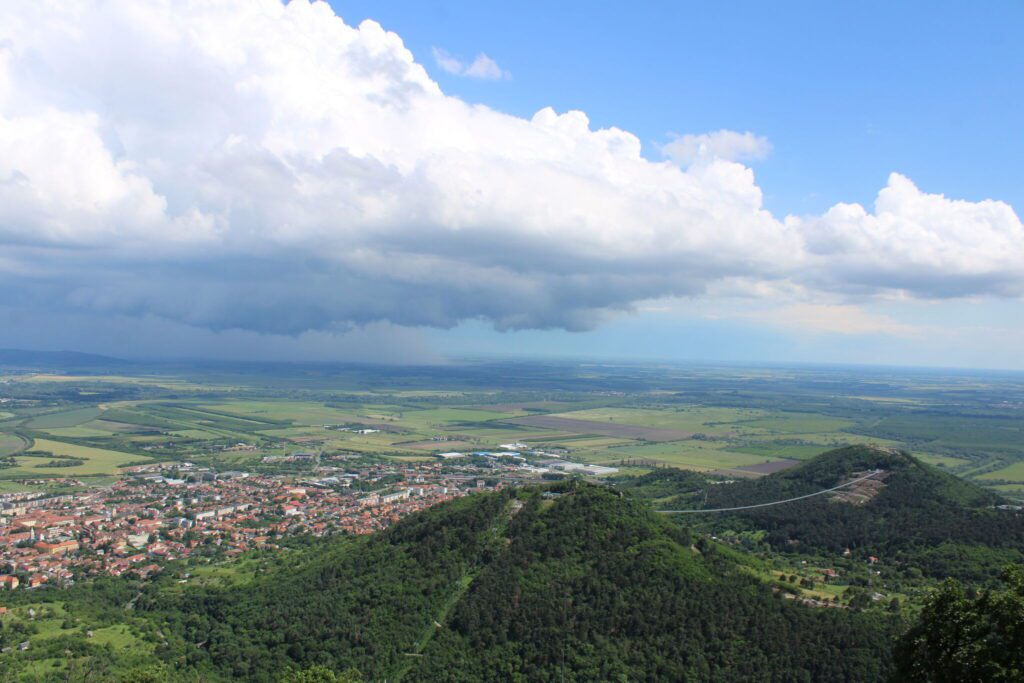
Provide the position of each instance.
(258, 166)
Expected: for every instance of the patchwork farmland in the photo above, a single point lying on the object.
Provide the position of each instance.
(238, 421)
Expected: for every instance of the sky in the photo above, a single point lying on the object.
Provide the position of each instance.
(415, 181)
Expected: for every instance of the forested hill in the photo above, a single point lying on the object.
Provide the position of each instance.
(906, 474)
(578, 584)
(920, 517)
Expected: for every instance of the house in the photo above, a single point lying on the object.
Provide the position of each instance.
(59, 548)
(395, 497)
(9, 582)
(150, 525)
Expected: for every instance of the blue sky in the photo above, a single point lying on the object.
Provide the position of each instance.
(820, 182)
(846, 93)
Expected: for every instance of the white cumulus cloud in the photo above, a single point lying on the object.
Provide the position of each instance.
(482, 66)
(924, 244)
(725, 145)
(253, 165)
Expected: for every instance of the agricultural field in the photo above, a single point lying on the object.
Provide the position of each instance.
(709, 420)
(95, 460)
(1011, 473)
(291, 412)
(63, 418)
(11, 443)
(706, 419)
(613, 429)
(944, 461)
(701, 456)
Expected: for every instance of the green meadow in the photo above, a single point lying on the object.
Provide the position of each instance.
(1014, 473)
(97, 461)
(11, 443)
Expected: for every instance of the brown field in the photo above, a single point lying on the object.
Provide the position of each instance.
(622, 431)
(769, 467)
(756, 471)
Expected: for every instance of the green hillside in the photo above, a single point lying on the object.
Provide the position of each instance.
(580, 585)
(921, 517)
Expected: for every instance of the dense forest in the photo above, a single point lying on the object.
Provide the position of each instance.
(594, 587)
(579, 583)
(922, 517)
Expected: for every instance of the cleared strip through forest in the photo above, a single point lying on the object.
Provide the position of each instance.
(776, 502)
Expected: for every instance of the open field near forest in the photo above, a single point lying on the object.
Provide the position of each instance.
(299, 412)
(767, 467)
(64, 418)
(941, 460)
(11, 443)
(97, 460)
(613, 429)
(708, 420)
(1014, 473)
(80, 432)
(696, 455)
(781, 449)
(51, 621)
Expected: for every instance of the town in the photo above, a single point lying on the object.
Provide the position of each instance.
(176, 511)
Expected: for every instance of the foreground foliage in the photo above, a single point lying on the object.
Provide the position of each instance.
(962, 639)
